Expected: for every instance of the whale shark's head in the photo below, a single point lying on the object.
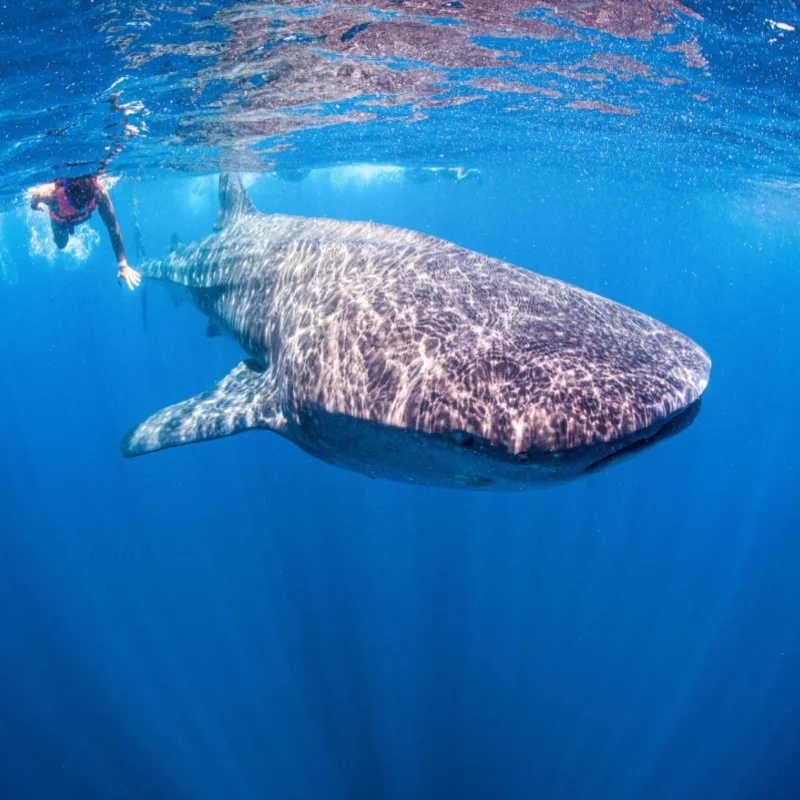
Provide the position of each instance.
(461, 460)
(551, 404)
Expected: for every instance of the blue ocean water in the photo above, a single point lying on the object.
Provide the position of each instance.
(238, 620)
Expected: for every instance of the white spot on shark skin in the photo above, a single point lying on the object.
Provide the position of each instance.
(519, 435)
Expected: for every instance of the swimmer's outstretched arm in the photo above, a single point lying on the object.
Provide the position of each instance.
(106, 210)
(41, 194)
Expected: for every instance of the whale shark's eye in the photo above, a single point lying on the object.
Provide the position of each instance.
(464, 439)
(521, 458)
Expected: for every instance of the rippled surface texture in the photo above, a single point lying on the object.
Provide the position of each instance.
(237, 619)
(685, 90)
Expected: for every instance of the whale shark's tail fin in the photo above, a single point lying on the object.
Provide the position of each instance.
(233, 199)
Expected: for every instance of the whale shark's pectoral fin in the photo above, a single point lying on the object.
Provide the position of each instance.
(244, 399)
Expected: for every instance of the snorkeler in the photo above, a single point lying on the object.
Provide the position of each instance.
(71, 201)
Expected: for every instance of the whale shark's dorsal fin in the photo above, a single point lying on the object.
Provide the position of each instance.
(246, 398)
(233, 199)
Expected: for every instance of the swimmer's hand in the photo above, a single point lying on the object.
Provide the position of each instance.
(130, 276)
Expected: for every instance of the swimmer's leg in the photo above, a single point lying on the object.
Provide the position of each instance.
(60, 234)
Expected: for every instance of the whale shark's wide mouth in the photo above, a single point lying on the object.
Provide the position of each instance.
(586, 459)
(673, 425)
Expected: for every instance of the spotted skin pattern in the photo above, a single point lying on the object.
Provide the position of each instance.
(383, 350)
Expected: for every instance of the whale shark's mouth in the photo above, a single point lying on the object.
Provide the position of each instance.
(674, 425)
(584, 460)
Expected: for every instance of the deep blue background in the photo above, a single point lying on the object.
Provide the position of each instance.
(237, 620)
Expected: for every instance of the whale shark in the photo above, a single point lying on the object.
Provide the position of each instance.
(406, 357)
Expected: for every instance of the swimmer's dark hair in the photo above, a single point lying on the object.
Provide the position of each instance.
(80, 190)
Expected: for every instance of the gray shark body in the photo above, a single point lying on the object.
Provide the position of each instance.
(403, 356)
